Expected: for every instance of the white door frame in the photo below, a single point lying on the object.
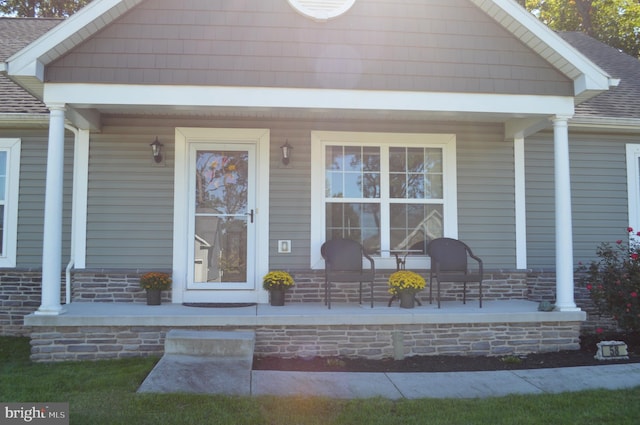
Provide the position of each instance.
(184, 136)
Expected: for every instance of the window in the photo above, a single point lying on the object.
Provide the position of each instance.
(633, 184)
(9, 174)
(388, 191)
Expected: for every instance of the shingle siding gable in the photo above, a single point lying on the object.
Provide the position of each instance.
(431, 45)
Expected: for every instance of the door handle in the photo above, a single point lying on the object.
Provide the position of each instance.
(250, 214)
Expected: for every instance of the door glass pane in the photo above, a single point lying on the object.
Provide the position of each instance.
(221, 186)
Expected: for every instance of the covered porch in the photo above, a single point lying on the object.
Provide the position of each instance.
(91, 331)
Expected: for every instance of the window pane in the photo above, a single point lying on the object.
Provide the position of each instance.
(334, 185)
(352, 172)
(416, 173)
(2, 253)
(413, 224)
(3, 174)
(357, 221)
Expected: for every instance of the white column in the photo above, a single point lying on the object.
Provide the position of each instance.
(53, 204)
(564, 229)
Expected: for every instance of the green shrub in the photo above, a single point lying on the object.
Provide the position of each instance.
(613, 281)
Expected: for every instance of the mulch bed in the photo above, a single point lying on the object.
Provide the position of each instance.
(582, 357)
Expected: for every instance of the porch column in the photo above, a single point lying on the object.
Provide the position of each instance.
(564, 237)
(52, 236)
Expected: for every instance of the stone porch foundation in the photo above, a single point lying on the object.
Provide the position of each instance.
(92, 331)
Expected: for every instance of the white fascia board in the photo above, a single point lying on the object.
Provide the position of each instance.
(97, 95)
(594, 77)
(30, 61)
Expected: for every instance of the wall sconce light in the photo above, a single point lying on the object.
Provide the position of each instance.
(286, 152)
(156, 149)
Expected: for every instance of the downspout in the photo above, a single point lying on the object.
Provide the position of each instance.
(70, 264)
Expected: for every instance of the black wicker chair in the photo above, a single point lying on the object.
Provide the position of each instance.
(344, 263)
(449, 263)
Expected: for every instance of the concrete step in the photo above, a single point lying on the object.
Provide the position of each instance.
(203, 362)
(210, 343)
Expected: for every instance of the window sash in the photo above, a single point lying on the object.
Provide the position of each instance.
(325, 199)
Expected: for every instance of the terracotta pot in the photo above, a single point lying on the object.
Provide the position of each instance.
(154, 296)
(276, 297)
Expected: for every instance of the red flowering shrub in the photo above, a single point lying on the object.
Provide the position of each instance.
(613, 281)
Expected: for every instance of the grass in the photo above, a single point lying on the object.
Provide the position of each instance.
(104, 392)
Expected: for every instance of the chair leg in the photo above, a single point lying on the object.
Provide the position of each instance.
(430, 290)
(372, 294)
(360, 292)
(464, 293)
(438, 292)
(480, 294)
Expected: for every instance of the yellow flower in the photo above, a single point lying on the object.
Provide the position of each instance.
(405, 280)
(277, 280)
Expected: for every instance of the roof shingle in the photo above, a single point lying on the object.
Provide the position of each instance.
(15, 34)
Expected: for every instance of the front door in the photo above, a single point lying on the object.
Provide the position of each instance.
(222, 221)
(221, 215)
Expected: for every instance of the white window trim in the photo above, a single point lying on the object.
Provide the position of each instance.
(633, 184)
(450, 205)
(13, 147)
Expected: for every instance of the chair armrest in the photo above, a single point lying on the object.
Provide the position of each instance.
(368, 257)
(478, 260)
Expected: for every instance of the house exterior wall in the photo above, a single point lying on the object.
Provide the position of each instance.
(431, 45)
(33, 165)
(130, 226)
(599, 195)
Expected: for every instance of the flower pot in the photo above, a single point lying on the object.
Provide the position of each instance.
(407, 299)
(276, 297)
(154, 296)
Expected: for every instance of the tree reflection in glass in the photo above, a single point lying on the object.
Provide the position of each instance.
(221, 184)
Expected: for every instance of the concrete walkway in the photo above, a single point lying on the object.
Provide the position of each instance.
(211, 378)
(444, 384)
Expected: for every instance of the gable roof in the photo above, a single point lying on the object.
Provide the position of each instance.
(28, 65)
(621, 102)
(15, 34)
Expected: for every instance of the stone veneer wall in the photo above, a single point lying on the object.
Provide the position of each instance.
(363, 341)
(497, 285)
(111, 286)
(19, 297)
(20, 292)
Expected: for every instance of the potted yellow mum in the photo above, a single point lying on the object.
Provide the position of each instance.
(277, 282)
(404, 285)
(155, 283)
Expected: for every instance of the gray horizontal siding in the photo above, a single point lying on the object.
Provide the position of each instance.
(428, 45)
(599, 195)
(131, 226)
(486, 194)
(33, 169)
(130, 205)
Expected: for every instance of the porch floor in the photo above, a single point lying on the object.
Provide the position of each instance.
(135, 314)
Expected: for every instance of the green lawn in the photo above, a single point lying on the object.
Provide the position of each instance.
(105, 393)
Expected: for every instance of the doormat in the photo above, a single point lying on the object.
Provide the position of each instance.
(219, 305)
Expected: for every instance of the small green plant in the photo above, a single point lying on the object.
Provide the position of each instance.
(613, 281)
(511, 360)
(333, 362)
